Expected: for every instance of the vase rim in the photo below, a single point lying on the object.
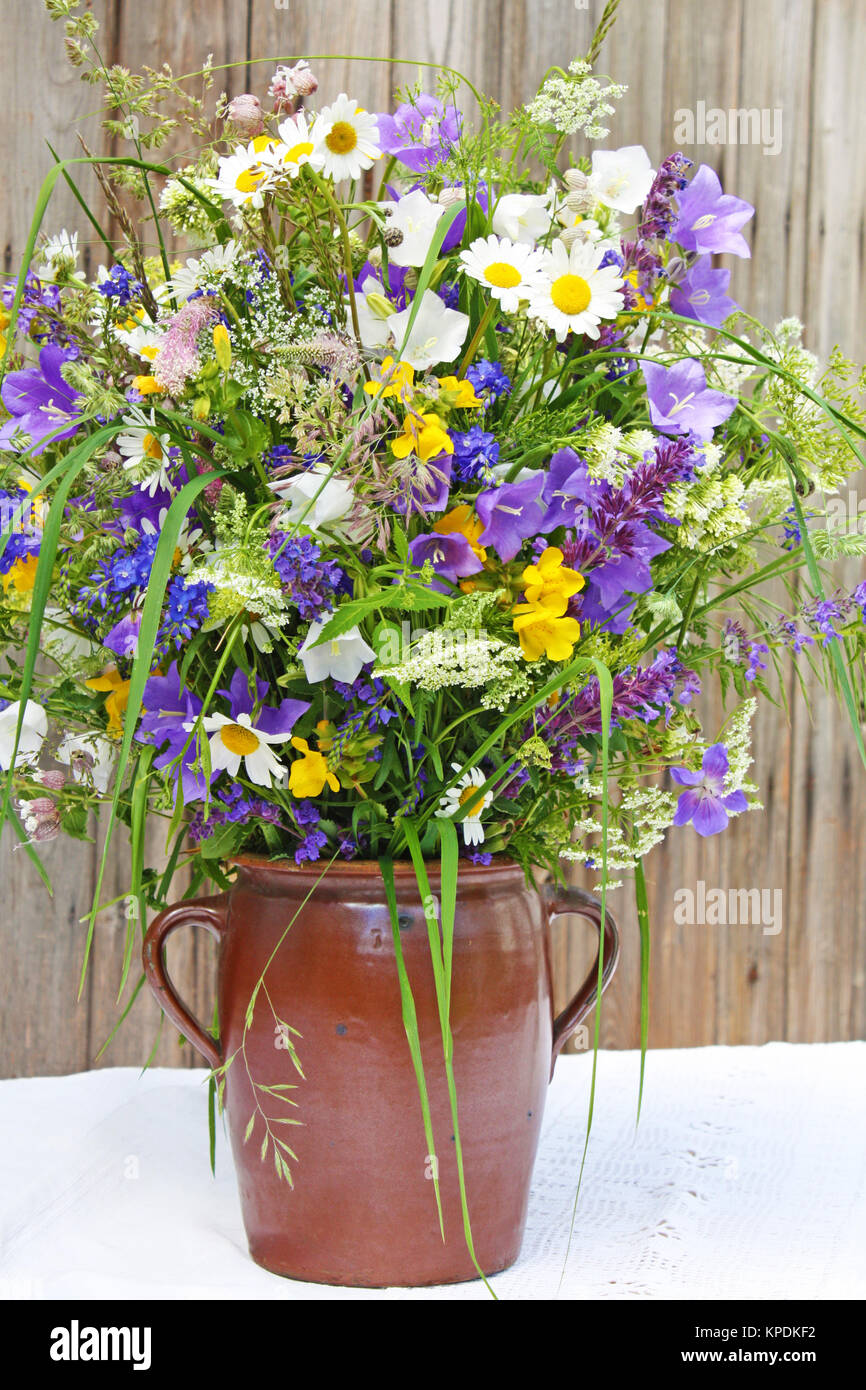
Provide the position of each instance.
(370, 868)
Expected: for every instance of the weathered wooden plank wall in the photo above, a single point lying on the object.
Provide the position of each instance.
(804, 58)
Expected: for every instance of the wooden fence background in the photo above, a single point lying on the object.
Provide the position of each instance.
(805, 58)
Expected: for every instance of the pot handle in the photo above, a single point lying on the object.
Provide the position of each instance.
(560, 902)
(209, 913)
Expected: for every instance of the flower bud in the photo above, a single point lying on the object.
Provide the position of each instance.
(374, 256)
(53, 779)
(303, 79)
(289, 85)
(449, 196)
(212, 491)
(222, 346)
(392, 236)
(569, 235)
(578, 201)
(246, 115)
(41, 818)
(379, 306)
(575, 180)
(675, 270)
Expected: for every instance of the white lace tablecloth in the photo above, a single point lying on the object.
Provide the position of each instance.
(745, 1179)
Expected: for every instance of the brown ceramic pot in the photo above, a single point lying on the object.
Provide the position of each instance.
(362, 1209)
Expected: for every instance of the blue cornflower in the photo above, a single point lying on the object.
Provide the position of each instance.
(186, 609)
(489, 378)
(475, 454)
(120, 285)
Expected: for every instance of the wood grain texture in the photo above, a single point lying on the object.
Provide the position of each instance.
(803, 57)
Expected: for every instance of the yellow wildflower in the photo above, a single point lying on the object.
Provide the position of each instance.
(424, 436)
(549, 579)
(308, 774)
(460, 394)
(147, 385)
(394, 379)
(117, 699)
(543, 630)
(21, 575)
(462, 521)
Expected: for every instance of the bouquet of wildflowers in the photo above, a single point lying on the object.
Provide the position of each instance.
(411, 503)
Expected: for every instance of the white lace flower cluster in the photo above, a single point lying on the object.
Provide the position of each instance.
(444, 657)
(737, 738)
(651, 812)
(575, 101)
(710, 508)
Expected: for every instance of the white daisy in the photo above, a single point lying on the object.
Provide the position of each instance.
(143, 447)
(242, 178)
(574, 293)
(295, 148)
(217, 262)
(347, 139)
(236, 741)
(437, 334)
(464, 797)
(508, 271)
(140, 334)
(191, 543)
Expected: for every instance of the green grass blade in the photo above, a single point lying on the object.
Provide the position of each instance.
(150, 617)
(835, 653)
(410, 1023)
(443, 995)
(642, 904)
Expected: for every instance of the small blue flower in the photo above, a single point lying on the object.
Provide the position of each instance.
(489, 379)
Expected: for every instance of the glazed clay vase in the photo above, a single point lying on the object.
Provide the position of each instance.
(362, 1209)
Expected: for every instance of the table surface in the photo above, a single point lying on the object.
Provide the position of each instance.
(745, 1179)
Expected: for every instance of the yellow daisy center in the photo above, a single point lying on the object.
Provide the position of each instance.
(472, 801)
(502, 275)
(239, 740)
(151, 447)
(341, 138)
(295, 153)
(571, 294)
(248, 180)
